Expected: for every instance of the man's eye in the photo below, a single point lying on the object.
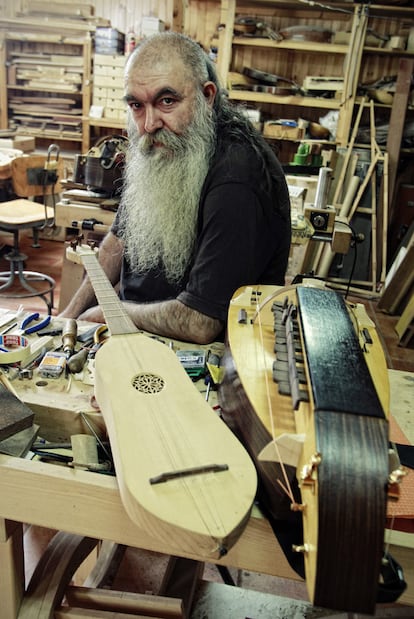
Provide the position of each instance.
(134, 105)
(167, 101)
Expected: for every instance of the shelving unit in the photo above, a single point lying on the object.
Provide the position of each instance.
(46, 86)
(359, 60)
(289, 58)
(294, 59)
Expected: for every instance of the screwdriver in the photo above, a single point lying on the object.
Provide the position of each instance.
(69, 334)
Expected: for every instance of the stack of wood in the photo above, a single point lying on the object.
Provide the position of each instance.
(44, 72)
(74, 13)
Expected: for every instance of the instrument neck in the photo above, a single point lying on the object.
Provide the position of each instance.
(115, 315)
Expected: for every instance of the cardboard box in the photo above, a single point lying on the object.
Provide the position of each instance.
(109, 41)
(109, 82)
(151, 25)
(283, 132)
(20, 142)
(113, 60)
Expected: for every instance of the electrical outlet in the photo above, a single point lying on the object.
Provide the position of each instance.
(322, 219)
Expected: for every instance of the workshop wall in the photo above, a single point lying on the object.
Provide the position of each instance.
(202, 16)
(123, 14)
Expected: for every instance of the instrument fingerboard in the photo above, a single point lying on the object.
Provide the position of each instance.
(340, 377)
(115, 315)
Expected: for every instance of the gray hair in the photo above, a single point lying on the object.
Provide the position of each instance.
(161, 46)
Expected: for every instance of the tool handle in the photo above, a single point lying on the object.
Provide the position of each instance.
(69, 333)
(77, 361)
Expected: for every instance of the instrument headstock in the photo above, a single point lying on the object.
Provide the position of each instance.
(77, 250)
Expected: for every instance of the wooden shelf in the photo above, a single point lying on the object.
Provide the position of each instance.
(383, 51)
(297, 100)
(297, 5)
(24, 51)
(300, 46)
(106, 122)
(40, 89)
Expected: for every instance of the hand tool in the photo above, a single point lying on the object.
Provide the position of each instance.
(100, 335)
(77, 360)
(69, 333)
(24, 325)
(86, 337)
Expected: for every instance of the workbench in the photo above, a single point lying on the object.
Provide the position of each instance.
(88, 504)
(71, 214)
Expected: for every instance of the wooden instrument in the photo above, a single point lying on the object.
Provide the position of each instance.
(321, 452)
(6, 157)
(181, 472)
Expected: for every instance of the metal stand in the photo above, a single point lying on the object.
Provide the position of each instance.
(25, 278)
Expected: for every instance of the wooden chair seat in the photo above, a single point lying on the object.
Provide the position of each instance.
(23, 213)
(32, 176)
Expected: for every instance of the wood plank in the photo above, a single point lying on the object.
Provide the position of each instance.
(400, 284)
(397, 120)
(14, 414)
(36, 492)
(405, 325)
(64, 9)
(12, 567)
(125, 602)
(92, 613)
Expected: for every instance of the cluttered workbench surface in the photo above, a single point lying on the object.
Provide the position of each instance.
(46, 480)
(53, 486)
(50, 366)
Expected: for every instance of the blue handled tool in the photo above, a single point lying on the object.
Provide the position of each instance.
(36, 327)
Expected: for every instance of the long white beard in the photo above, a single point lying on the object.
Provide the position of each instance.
(161, 195)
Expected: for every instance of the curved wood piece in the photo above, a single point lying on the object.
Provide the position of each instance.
(53, 573)
(107, 564)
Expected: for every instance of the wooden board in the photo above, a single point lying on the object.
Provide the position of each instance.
(14, 415)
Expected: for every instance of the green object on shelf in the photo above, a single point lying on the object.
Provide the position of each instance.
(302, 154)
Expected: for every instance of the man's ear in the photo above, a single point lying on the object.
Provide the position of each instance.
(209, 91)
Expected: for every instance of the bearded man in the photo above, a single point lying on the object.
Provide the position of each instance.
(205, 206)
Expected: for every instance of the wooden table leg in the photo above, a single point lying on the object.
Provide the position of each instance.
(53, 573)
(11, 567)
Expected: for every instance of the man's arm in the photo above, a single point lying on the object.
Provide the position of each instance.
(167, 318)
(110, 257)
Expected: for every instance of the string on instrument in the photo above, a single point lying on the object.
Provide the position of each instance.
(286, 487)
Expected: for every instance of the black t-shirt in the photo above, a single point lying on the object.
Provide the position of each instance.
(243, 237)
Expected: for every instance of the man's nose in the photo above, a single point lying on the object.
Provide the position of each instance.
(153, 121)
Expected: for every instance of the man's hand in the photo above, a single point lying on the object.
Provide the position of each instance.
(168, 319)
(174, 319)
(93, 314)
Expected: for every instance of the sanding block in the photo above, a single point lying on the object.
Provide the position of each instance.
(14, 414)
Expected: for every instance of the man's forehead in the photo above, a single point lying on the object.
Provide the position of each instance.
(158, 64)
(169, 73)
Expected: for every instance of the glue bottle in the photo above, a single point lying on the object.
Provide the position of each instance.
(130, 42)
